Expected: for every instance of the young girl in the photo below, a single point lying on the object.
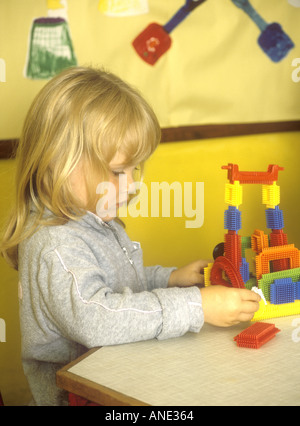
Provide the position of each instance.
(82, 280)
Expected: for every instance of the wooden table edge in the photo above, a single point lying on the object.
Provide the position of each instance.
(90, 390)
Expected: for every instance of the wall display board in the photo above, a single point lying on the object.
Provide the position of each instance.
(200, 63)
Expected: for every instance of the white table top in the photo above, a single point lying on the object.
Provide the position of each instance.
(203, 369)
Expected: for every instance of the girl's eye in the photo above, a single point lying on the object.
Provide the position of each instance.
(117, 172)
(135, 172)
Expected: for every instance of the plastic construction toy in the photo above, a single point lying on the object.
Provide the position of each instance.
(277, 263)
(256, 335)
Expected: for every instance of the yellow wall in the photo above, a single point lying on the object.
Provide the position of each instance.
(201, 161)
(166, 240)
(214, 73)
(13, 385)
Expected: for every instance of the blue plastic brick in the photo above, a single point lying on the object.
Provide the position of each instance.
(297, 290)
(244, 270)
(274, 218)
(282, 291)
(232, 219)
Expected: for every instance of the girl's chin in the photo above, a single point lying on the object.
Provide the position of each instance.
(110, 214)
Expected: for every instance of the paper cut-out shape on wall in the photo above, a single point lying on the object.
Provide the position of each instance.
(120, 8)
(54, 4)
(58, 9)
(51, 48)
(295, 3)
(272, 40)
(154, 41)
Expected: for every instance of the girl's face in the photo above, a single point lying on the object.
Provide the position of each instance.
(115, 192)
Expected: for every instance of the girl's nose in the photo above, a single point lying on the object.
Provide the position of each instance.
(130, 179)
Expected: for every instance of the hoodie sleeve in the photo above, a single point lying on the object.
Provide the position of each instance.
(157, 276)
(73, 300)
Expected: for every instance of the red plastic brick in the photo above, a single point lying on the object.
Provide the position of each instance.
(233, 248)
(253, 177)
(222, 264)
(256, 335)
(279, 238)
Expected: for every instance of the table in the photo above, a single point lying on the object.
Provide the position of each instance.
(196, 369)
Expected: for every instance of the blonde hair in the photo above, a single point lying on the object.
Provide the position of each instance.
(81, 114)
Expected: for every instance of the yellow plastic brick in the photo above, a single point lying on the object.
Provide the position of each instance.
(271, 195)
(207, 274)
(234, 193)
(276, 311)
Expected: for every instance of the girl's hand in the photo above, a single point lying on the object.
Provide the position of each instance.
(191, 274)
(225, 306)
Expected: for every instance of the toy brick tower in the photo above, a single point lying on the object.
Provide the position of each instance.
(277, 262)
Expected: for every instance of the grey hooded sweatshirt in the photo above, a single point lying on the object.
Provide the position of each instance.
(84, 285)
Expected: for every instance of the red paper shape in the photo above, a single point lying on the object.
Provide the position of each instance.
(152, 43)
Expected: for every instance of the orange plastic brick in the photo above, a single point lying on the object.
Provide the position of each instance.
(289, 252)
(259, 241)
(256, 335)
